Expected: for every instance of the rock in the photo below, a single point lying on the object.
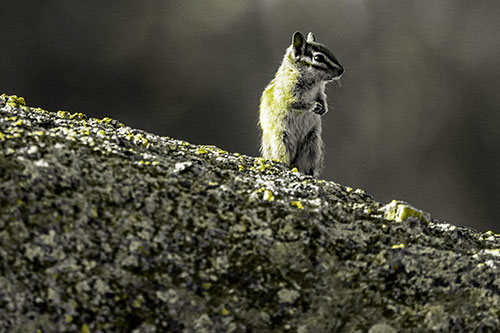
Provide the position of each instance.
(106, 228)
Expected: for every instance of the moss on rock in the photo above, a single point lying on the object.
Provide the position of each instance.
(106, 228)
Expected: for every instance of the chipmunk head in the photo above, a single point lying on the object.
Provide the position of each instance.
(313, 59)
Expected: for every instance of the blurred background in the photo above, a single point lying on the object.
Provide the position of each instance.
(415, 116)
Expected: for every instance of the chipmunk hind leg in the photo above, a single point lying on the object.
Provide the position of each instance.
(309, 156)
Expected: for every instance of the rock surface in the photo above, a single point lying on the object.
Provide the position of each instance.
(105, 228)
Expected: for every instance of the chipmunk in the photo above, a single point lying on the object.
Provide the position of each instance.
(291, 105)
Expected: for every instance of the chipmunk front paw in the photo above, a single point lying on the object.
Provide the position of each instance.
(318, 108)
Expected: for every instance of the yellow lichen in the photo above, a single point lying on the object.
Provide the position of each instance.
(268, 196)
(78, 115)
(85, 131)
(297, 204)
(14, 101)
(138, 139)
(201, 151)
(261, 165)
(494, 252)
(398, 211)
(137, 303)
(39, 133)
(106, 120)
(21, 101)
(93, 212)
(63, 114)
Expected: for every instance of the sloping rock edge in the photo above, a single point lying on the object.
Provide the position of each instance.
(106, 228)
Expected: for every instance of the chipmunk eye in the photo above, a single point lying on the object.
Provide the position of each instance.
(319, 57)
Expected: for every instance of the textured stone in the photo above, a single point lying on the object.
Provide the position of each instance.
(106, 228)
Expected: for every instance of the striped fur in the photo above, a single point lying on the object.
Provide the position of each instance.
(293, 103)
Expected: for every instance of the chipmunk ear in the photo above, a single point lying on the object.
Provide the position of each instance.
(298, 44)
(310, 37)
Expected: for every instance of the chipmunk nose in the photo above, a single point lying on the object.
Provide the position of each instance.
(340, 71)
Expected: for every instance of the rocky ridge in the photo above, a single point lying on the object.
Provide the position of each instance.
(106, 228)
